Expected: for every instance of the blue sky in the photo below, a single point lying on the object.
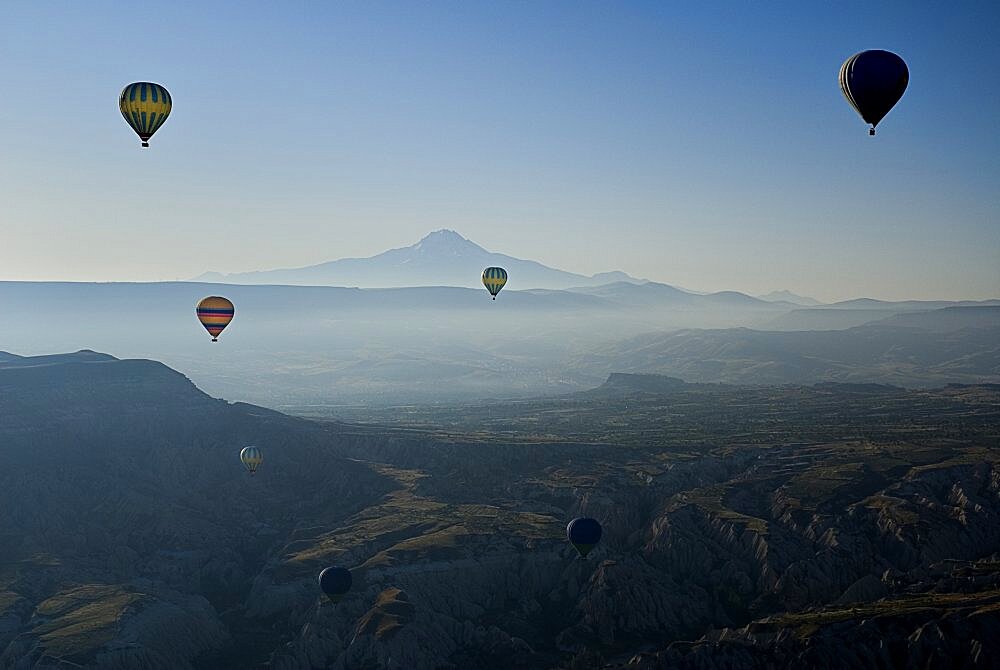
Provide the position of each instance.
(704, 146)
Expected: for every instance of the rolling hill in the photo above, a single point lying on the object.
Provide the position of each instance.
(954, 344)
(788, 296)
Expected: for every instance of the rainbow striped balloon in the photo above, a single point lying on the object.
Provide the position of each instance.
(145, 107)
(494, 279)
(215, 313)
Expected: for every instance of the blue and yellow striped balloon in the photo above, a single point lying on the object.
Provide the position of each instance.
(494, 280)
(252, 458)
(145, 107)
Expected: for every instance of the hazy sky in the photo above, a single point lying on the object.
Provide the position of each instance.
(706, 146)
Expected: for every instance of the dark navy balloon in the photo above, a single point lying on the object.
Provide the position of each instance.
(335, 582)
(873, 82)
(583, 533)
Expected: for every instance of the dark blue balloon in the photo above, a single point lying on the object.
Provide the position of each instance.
(873, 82)
(335, 582)
(583, 533)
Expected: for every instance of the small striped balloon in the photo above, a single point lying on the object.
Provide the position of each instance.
(145, 106)
(252, 458)
(494, 279)
(215, 313)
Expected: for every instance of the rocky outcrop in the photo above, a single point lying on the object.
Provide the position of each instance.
(957, 639)
(390, 613)
(115, 627)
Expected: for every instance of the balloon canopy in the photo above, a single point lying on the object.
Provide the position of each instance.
(335, 582)
(584, 533)
(215, 313)
(873, 82)
(145, 106)
(251, 458)
(494, 279)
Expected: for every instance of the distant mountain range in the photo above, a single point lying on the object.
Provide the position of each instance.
(653, 294)
(956, 344)
(442, 258)
(788, 296)
(851, 313)
(9, 360)
(305, 345)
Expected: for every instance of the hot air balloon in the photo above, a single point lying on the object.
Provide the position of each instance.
(873, 81)
(335, 583)
(583, 533)
(145, 107)
(252, 458)
(215, 313)
(494, 279)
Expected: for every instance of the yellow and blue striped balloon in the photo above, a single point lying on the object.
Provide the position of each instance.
(494, 279)
(252, 458)
(145, 107)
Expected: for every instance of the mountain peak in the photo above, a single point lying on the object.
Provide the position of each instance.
(447, 242)
(443, 234)
(441, 258)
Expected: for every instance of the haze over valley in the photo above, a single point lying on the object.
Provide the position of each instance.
(303, 348)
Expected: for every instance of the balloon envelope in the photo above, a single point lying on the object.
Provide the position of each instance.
(335, 582)
(494, 279)
(873, 82)
(145, 106)
(252, 458)
(215, 313)
(584, 533)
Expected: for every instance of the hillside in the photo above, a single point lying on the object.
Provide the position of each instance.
(129, 525)
(744, 521)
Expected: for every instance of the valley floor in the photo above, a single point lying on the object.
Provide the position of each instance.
(797, 526)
